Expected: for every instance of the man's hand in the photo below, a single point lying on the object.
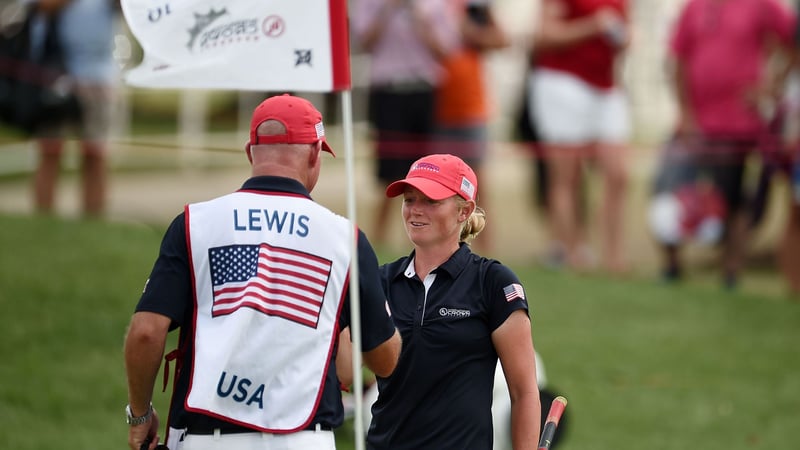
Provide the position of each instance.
(148, 431)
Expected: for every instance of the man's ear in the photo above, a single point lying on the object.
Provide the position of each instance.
(248, 150)
(315, 154)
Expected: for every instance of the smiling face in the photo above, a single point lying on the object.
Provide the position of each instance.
(432, 223)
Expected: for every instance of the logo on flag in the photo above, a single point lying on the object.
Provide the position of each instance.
(302, 57)
(302, 45)
(203, 21)
(273, 26)
(276, 281)
(513, 291)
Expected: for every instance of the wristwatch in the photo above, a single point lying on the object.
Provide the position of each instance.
(133, 420)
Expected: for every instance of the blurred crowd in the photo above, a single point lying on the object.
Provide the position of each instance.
(732, 67)
(57, 83)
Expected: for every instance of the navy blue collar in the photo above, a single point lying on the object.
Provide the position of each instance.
(275, 184)
(453, 266)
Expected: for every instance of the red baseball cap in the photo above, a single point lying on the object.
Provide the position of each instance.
(302, 121)
(438, 177)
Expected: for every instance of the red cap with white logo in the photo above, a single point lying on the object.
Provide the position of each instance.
(302, 121)
(438, 176)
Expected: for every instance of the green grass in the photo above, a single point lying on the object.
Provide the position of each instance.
(644, 365)
(66, 291)
(652, 366)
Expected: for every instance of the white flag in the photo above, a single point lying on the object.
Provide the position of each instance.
(258, 45)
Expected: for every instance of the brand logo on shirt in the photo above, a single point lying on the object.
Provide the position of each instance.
(456, 313)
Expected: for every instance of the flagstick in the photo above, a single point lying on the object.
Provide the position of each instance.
(355, 301)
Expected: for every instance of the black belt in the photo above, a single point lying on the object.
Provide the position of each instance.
(202, 431)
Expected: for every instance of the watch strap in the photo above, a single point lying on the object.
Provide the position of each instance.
(134, 420)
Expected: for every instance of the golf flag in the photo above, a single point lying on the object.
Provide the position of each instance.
(259, 45)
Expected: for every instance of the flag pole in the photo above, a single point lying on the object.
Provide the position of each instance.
(355, 300)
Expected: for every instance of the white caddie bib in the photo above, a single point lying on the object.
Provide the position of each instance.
(270, 272)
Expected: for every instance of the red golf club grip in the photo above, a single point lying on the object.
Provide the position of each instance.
(550, 425)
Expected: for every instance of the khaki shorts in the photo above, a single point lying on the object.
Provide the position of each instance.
(96, 101)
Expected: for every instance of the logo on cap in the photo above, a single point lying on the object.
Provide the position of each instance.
(426, 166)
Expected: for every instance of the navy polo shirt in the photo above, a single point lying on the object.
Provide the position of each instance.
(440, 394)
(169, 292)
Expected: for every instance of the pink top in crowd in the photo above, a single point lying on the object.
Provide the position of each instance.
(720, 45)
(400, 55)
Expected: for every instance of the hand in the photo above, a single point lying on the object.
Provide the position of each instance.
(612, 26)
(138, 434)
(765, 98)
(686, 126)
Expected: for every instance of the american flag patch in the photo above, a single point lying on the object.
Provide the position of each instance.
(276, 281)
(513, 291)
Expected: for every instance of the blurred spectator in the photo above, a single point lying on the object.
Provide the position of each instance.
(581, 115)
(719, 53)
(524, 132)
(32, 82)
(407, 41)
(789, 245)
(85, 32)
(463, 103)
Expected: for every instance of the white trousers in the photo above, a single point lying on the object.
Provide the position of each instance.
(302, 440)
(567, 110)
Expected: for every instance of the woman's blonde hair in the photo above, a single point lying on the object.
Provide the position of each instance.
(474, 224)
